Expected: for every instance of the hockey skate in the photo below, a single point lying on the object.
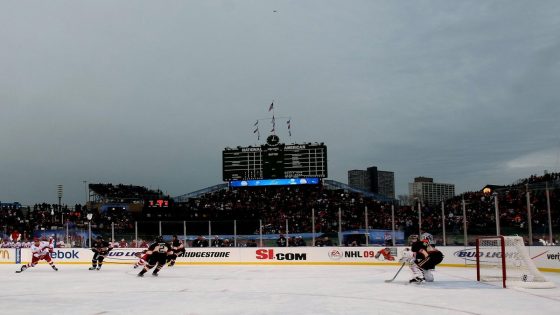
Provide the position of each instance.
(22, 269)
(155, 274)
(98, 268)
(142, 272)
(416, 280)
(171, 264)
(54, 268)
(92, 268)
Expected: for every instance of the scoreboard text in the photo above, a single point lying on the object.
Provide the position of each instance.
(275, 161)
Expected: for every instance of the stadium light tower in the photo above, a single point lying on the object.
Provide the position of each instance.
(497, 213)
(465, 235)
(59, 191)
(89, 217)
(419, 216)
(85, 192)
(443, 220)
(529, 220)
(549, 216)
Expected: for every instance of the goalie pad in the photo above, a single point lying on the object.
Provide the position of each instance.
(407, 256)
(428, 276)
(416, 271)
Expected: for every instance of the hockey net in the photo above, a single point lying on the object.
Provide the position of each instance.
(505, 260)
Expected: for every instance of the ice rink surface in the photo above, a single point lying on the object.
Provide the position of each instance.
(270, 290)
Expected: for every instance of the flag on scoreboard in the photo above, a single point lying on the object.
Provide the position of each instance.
(257, 132)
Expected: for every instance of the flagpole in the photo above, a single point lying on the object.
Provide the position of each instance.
(273, 119)
(256, 124)
(289, 122)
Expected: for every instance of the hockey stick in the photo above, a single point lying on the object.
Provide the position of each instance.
(398, 271)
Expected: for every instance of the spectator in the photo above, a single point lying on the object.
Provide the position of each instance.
(16, 236)
(216, 241)
(300, 241)
(123, 243)
(281, 241)
(200, 241)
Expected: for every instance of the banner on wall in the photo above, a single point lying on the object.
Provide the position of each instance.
(546, 258)
(7, 255)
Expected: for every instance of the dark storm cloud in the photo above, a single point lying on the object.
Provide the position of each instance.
(150, 93)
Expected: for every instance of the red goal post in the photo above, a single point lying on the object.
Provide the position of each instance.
(500, 240)
(505, 260)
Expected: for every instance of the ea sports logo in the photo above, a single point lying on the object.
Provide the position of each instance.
(335, 254)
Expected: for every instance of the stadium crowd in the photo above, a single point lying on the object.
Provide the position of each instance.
(274, 206)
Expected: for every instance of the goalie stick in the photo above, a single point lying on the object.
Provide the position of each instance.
(396, 274)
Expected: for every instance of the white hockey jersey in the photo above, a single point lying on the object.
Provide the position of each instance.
(42, 249)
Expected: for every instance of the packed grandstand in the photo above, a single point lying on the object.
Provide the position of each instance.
(133, 214)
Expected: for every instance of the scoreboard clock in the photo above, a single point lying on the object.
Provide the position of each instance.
(275, 160)
(272, 140)
(158, 203)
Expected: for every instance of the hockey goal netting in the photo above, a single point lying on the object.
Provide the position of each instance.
(505, 260)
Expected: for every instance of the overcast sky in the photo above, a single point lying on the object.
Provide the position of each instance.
(150, 92)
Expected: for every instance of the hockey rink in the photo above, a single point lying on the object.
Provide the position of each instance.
(232, 289)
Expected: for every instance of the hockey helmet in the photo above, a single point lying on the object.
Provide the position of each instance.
(159, 238)
(427, 238)
(412, 239)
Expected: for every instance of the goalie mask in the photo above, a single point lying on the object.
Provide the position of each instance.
(427, 238)
(412, 239)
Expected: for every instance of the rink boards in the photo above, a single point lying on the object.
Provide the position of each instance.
(546, 258)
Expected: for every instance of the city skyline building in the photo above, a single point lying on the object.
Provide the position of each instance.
(373, 180)
(428, 192)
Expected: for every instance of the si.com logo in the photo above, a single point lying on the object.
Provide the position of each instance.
(269, 254)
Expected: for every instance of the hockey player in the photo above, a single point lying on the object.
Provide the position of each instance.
(141, 258)
(156, 256)
(40, 250)
(100, 249)
(178, 248)
(422, 259)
